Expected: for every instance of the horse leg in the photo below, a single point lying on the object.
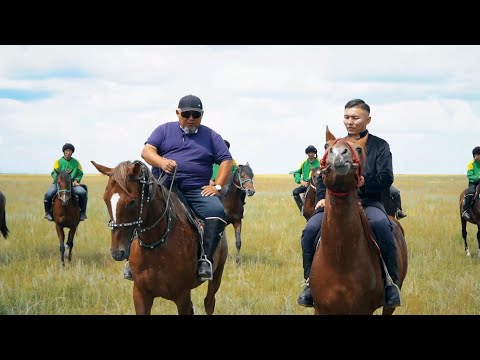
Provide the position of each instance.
(213, 286)
(142, 301)
(464, 235)
(238, 240)
(388, 310)
(61, 238)
(184, 303)
(71, 235)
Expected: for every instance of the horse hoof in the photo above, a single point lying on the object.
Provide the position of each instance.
(238, 260)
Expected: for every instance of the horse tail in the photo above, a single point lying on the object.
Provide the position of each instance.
(3, 226)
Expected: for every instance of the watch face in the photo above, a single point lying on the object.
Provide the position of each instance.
(218, 187)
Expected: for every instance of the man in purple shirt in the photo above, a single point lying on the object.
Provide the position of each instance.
(186, 150)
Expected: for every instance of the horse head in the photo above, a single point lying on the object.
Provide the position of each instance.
(342, 164)
(244, 175)
(64, 186)
(316, 172)
(124, 201)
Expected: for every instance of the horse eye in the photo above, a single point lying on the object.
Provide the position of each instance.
(131, 203)
(359, 150)
(326, 146)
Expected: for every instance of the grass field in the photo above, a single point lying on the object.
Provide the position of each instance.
(440, 279)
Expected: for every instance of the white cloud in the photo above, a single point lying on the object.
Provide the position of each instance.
(270, 102)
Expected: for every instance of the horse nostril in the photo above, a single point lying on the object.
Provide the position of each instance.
(118, 255)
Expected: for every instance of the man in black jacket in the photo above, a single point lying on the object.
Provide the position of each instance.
(378, 175)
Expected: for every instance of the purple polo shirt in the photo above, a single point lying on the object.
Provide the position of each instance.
(195, 154)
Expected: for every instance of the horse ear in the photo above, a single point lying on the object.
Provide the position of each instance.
(328, 135)
(362, 141)
(103, 169)
(137, 169)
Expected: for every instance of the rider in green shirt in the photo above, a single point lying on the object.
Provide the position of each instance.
(302, 174)
(67, 162)
(473, 175)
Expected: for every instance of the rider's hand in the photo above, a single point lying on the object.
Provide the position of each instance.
(168, 165)
(209, 190)
(304, 183)
(321, 203)
(75, 182)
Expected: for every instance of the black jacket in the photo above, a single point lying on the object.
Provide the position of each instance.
(378, 173)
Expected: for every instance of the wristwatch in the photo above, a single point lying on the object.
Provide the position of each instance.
(218, 187)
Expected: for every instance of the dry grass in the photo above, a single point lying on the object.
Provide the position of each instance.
(440, 280)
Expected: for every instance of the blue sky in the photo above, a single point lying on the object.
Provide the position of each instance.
(270, 102)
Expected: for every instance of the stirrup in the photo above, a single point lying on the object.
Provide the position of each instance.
(202, 277)
(466, 215)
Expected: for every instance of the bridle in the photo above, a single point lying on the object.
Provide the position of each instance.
(67, 193)
(146, 180)
(240, 180)
(324, 168)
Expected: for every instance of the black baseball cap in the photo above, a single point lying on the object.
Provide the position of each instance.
(189, 103)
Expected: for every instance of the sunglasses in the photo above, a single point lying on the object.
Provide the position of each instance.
(194, 114)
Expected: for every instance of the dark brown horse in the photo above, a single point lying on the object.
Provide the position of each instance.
(310, 194)
(153, 230)
(346, 274)
(240, 184)
(474, 218)
(66, 213)
(3, 218)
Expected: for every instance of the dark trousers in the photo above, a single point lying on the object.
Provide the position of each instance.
(204, 206)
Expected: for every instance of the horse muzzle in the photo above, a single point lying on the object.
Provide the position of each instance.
(119, 255)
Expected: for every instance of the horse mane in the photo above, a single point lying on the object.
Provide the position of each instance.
(121, 176)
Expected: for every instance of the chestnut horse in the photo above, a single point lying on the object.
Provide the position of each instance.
(474, 217)
(311, 194)
(241, 181)
(66, 213)
(3, 219)
(153, 230)
(346, 274)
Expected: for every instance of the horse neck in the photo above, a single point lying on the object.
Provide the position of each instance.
(343, 236)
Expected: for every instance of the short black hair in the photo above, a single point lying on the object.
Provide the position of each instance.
(358, 103)
(476, 151)
(68, 146)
